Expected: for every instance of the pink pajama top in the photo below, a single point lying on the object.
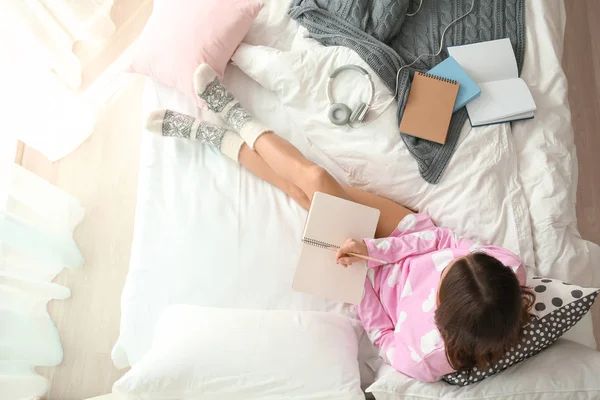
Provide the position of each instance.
(397, 310)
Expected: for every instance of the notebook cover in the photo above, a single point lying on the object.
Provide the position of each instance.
(429, 107)
(523, 117)
(333, 220)
(468, 89)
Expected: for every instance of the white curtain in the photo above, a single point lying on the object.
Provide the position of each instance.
(36, 242)
(40, 75)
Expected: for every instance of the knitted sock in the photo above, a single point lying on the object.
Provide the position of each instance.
(171, 123)
(218, 99)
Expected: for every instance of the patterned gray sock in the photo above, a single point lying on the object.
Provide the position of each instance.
(218, 99)
(174, 124)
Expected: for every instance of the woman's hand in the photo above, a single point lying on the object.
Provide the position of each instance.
(351, 246)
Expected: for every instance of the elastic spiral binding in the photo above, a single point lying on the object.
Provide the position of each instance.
(318, 243)
(439, 78)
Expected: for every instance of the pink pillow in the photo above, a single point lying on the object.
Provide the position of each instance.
(182, 34)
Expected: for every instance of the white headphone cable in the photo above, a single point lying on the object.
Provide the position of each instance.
(416, 12)
(422, 55)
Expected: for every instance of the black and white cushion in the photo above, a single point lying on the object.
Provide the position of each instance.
(558, 306)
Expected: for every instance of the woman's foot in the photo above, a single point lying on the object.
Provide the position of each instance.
(174, 124)
(218, 99)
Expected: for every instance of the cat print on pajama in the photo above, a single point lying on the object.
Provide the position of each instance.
(397, 310)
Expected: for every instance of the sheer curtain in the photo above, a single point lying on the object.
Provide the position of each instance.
(41, 76)
(43, 106)
(36, 242)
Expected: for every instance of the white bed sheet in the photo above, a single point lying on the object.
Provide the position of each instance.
(212, 234)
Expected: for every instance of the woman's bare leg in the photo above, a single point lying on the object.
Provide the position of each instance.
(254, 163)
(290, 165)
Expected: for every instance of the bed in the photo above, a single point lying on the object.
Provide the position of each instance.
(209, 233)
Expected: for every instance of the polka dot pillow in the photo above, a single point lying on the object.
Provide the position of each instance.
(558, 306)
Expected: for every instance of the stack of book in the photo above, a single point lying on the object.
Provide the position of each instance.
(482, 76)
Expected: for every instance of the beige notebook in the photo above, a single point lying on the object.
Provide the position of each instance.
(330, 222)
(429, 107)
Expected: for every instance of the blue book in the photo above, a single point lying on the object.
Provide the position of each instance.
(468, 89)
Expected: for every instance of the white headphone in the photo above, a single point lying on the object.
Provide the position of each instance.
(340, 113)
(348, 114)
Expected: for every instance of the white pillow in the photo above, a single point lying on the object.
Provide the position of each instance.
(567, 370)
(212, 353)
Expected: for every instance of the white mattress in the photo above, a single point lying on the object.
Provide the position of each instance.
(210, 233)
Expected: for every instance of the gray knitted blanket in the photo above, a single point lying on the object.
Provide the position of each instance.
(381, 33)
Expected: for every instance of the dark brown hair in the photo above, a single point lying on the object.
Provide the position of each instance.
(482, 311)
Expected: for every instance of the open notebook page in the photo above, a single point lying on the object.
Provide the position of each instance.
(487, 61)
(504, 96)
(501, 101)
(333, 220)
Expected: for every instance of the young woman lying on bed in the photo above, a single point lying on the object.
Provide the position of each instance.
(439, 304)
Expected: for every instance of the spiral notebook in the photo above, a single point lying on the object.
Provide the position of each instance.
(429, 107)
(330, 222)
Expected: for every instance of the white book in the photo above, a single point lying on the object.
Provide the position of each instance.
(329, 223)
(504, 96)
